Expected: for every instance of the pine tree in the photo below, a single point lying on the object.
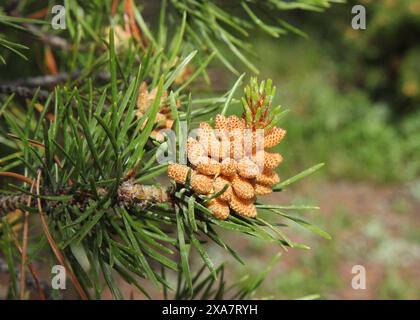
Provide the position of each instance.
(80, 147)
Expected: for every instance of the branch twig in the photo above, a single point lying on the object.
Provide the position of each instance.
(129, 194)
(27, 87)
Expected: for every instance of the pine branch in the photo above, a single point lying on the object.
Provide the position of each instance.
(30, 86)
(24, 92)
(49, 39)
(42, 81)
(130, 194)
(53, 80)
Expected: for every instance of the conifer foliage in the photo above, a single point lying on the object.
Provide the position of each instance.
(80, 138)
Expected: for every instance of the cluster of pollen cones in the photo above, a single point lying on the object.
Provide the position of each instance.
(232, 154)
(164, 119)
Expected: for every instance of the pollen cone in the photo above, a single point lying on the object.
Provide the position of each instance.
(244, 207)
(219, 157)
(219, 208)
(163, 118)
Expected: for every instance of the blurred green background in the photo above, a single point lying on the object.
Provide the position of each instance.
(354, 101)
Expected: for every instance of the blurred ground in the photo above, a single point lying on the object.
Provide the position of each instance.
(374, 226)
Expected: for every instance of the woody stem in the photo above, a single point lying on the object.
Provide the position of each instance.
(129, 193)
